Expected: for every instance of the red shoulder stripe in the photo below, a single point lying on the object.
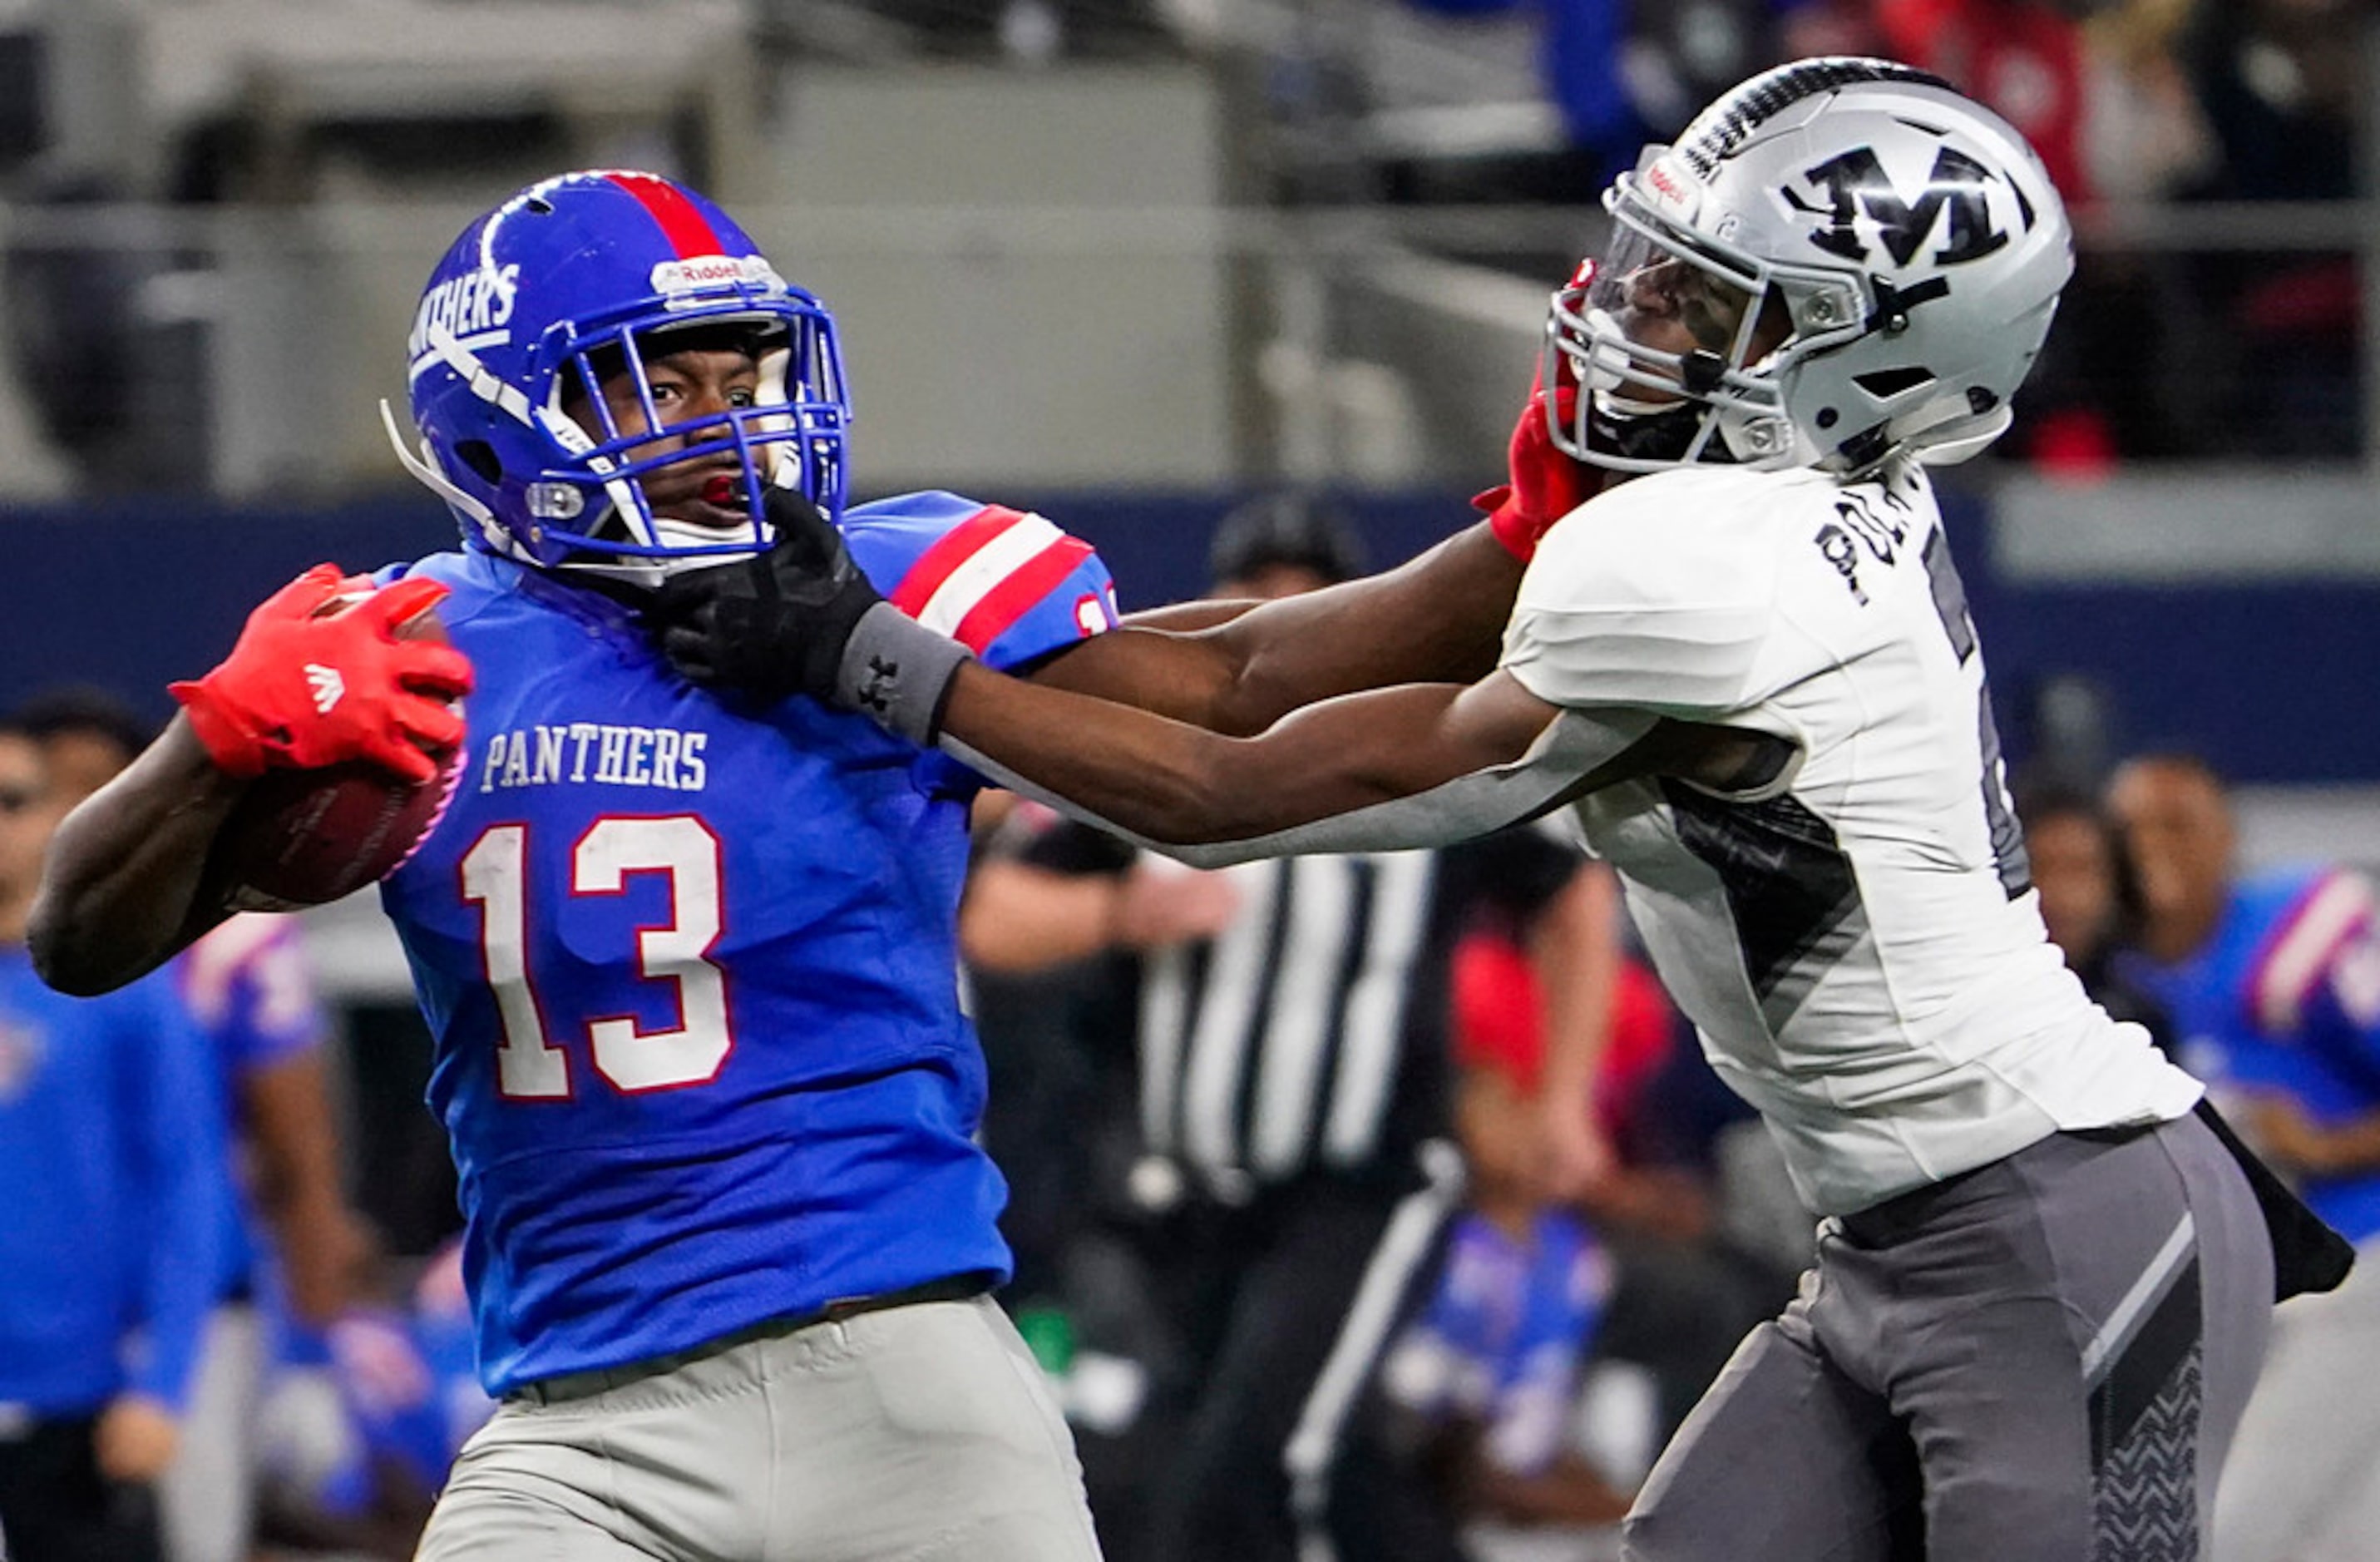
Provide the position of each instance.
(949, 551)
(1015, 596)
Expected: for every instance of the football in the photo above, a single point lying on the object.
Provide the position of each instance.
(307, 838)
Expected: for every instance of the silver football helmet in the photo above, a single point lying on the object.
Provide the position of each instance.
(1868, 263)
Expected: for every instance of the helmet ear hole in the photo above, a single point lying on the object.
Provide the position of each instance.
(480, 457)
(1886, 383)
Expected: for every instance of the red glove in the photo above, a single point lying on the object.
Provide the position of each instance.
(1545, 485)
(305, 687)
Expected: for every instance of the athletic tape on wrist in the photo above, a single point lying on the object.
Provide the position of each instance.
(897, 671)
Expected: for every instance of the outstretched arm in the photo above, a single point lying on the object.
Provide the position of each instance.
(1175, 784)
(1437, 618)
(1414, 765)
(791, 619)
(1420, 764)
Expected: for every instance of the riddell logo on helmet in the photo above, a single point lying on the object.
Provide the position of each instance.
(465, 307)
(1670, 186)
(714, 271)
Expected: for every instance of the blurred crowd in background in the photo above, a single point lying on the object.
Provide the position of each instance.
(2218, 311)
(1622, 1219)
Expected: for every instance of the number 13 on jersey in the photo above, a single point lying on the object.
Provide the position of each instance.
(529, 1065)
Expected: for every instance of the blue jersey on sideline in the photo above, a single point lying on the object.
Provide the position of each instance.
(1501, 1338)
(690, 961)
(412, 1398)
(112, 1143)
(2285, 996)
(247, 987)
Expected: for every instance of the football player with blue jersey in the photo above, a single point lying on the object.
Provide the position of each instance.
(112, 1146)
(689, 960)
(2046, 1275)
(288, 1234)
(688, 954)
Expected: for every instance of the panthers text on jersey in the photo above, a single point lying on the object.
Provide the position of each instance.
(1859, 947)
(689, 961)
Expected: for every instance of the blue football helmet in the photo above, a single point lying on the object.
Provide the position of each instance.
(593, 274)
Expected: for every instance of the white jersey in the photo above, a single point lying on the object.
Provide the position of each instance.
(1862, 951)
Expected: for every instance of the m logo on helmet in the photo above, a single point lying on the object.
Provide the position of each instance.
(1854, 187)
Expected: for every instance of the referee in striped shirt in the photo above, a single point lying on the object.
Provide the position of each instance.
(1292, 1103)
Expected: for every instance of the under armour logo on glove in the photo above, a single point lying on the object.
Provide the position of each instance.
(873, 696)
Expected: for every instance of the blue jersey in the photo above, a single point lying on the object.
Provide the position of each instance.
(690, 962)
(248, 985)
(1500, 1341)
(412, 1398)
(112, 1143)
(2285, 996)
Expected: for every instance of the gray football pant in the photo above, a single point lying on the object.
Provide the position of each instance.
(2040, 1360)
(916, 1432)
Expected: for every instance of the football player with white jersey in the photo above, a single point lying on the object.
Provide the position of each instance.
(2046, 1273)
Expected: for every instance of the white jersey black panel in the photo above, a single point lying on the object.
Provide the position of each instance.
(1862, 955)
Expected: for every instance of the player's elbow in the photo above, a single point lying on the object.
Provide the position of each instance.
(1225, 792)
(65, 963)
(1260, 692)
(1185, 817)
(75, 952)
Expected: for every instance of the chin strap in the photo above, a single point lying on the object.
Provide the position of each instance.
(1644, 432)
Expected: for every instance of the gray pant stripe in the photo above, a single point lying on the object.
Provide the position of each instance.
(2106, 1345)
